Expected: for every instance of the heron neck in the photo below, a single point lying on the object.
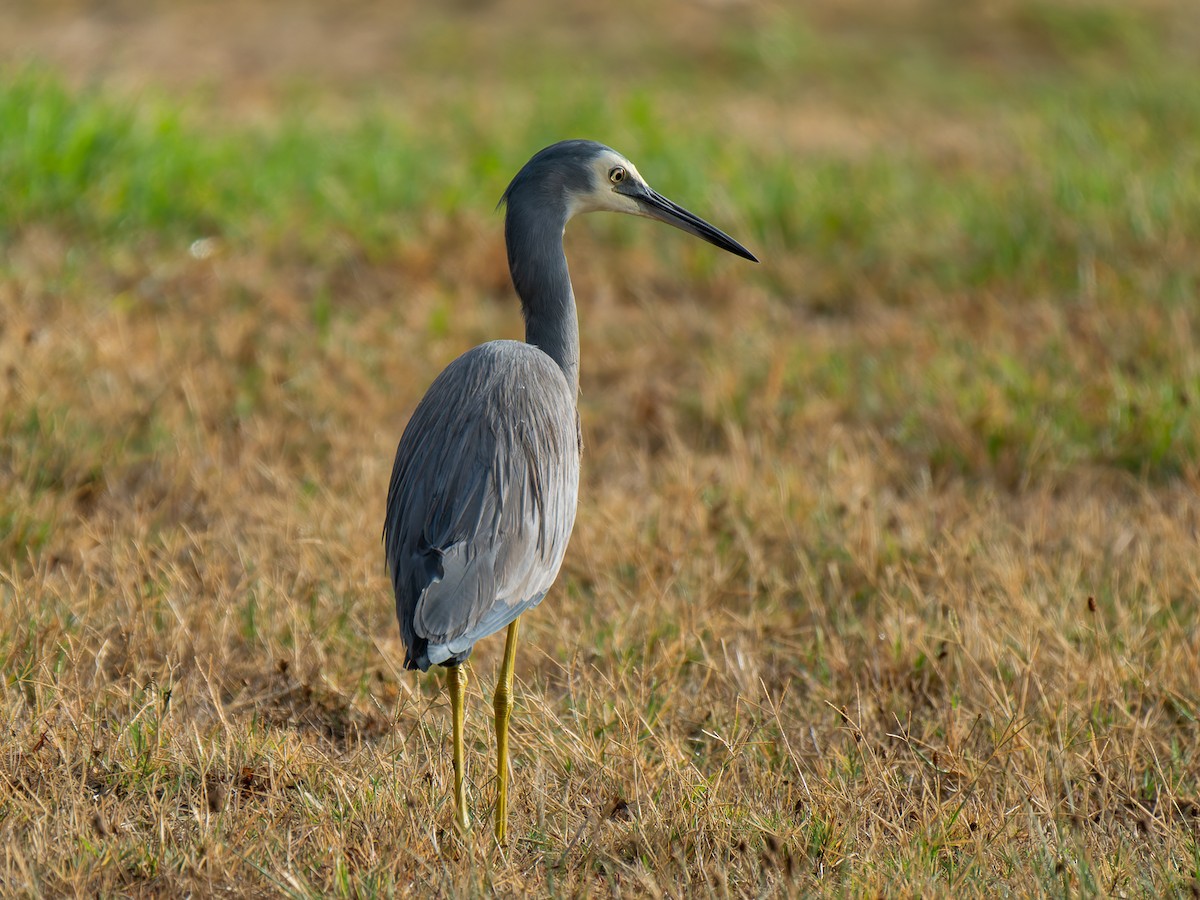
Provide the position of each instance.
(539, 273)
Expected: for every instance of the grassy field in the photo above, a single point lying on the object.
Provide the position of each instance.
(886, 575)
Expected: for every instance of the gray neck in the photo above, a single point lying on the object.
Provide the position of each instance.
(533, 230)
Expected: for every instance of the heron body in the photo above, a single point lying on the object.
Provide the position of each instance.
(475, 538)
(484, 487)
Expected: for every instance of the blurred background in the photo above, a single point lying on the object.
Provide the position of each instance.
(885, 568)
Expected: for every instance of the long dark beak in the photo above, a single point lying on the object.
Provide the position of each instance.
(655, 206)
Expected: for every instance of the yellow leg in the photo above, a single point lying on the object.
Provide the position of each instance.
(456, 682)
(503, 703)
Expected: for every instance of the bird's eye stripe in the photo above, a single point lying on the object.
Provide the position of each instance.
(616, 175)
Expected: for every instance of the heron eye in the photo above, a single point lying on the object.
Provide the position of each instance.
(616, 174)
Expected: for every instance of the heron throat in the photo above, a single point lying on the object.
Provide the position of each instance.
(533, 231)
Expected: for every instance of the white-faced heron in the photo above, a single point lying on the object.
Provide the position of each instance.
(483, 491)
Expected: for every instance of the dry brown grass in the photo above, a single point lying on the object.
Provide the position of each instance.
(792, 651)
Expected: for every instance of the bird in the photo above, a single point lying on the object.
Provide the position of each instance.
(485, 482)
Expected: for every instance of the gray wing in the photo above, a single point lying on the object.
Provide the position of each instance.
(482, 499)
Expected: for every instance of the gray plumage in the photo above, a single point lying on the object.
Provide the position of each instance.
(484, 486)
(482, 499)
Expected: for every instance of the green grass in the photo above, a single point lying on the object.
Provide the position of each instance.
(1099, 169)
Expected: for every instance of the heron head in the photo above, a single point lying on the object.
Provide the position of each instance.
(596, 178)
(617, 186)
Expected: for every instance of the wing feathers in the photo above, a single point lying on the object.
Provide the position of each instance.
(482, 498)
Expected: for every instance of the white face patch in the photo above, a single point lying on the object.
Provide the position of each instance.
(604, 196)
